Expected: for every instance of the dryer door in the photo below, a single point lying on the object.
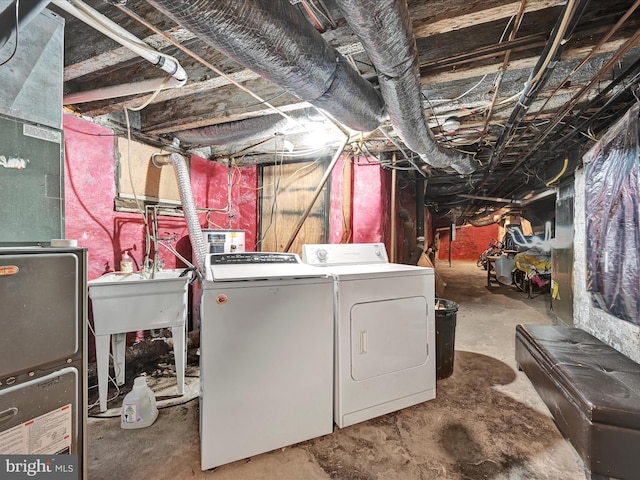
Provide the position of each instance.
(388, 336)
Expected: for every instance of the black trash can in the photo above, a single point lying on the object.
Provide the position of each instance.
(446, 316)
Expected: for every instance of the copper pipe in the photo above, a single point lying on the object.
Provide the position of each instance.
(315, 20)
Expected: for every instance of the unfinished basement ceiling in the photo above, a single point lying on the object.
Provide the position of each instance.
(518, 88)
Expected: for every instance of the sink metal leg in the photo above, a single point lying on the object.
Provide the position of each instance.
(179, 353)
(102, 360)
(118, 346)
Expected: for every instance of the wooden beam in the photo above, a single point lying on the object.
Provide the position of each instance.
(457, 18)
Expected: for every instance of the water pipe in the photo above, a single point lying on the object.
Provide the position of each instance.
(104, 25)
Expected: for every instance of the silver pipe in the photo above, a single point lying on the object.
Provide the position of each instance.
(198, 244)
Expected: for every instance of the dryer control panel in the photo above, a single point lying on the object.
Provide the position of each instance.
(344, 254)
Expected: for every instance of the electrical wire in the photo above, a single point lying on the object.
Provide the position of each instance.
(146, 103)
(133, 190)
(66, 127)
(313, 6)
(556, 43)
(15, 47)
(251, 105)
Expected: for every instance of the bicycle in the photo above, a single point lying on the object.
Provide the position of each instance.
(495, 248)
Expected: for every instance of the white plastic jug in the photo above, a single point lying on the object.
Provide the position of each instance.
(139, 406)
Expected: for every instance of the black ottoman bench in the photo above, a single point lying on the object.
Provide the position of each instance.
(592, 392)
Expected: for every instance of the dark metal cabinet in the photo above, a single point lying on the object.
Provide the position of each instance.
(43, 398)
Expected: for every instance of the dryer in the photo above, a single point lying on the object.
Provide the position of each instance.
(266, 355)
(384, 317)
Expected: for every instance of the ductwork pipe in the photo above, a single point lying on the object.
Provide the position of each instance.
(385, 30)
(104, 25)
(275, 40)
(489, 219)
(198, 243)
(248, 129)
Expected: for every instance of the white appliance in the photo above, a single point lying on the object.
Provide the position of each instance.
(385, 330)
(266, 355)
(225, 241)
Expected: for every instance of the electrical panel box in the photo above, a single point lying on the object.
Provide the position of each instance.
(31, 183)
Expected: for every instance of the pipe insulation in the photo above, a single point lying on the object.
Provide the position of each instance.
(248, 129)
(274, 39)
(198, 243)
(385, 31)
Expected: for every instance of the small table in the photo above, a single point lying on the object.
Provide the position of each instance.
(491, 268)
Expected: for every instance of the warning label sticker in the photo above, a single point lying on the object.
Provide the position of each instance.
(47, 434)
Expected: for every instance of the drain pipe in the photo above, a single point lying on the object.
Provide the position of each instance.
(104, 25)
(27, 11)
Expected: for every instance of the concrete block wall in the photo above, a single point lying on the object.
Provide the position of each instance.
(622, 335)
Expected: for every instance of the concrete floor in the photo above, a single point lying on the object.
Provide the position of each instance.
(487, 421)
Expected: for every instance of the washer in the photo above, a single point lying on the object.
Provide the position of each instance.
(385, 330)
(266, 355)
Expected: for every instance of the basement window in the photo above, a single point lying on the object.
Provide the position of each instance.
(141, 179)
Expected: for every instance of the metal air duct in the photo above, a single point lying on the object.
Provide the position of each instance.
(199, 246)
(385, 30)
(248, 129)
(276, 41)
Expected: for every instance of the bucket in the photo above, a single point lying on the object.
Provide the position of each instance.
(504, 267)
(139, 406)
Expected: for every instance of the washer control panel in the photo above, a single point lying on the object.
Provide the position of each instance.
(252, 257)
